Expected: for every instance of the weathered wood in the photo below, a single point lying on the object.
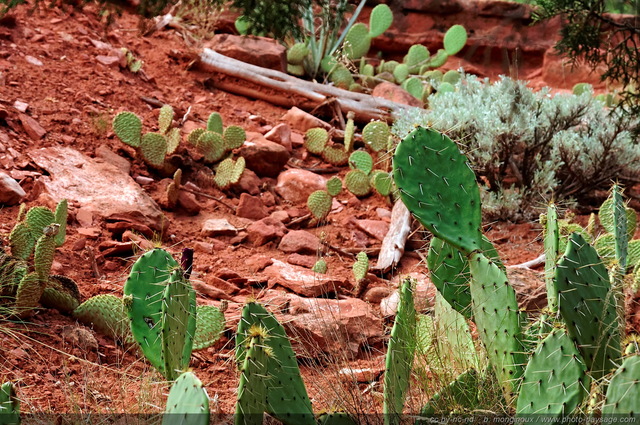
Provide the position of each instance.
(394, 242)
(364, 106)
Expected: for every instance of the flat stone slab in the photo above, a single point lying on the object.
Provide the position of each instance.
(302, 281)
(98, 186)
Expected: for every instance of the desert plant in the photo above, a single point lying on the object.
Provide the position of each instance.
(529, 146)
(188, 402)
(9, 405)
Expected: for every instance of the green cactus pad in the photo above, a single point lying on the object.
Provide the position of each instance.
(551, 252)
(495, 311)
(387, 66)
(399, 358)
(449, 270)
(341, 76)
(229, 172)
(349, 130)
(60, 217)
(582, 88)
(106, 314)
(361, 266)
(414, 86)
(44, 251)
(254, 374)
(624, 388)
(357, 182)
(38, 218)
(439, 188)
(9, 405)
(143, 294)
(188, 402)
(382, 182)
(401, 73)
(153, 147)
(588, 307)
(361, 160)
(439, 59)
(21, 241)
(211, 145)
(234, 137)
(287, 398)
(297, 53)
(210, 323)
(452, 77)
(61, 293)
(320, 266)
(454, 39)
(319, 203)
(195, 134)
(433, 75)
(605, 215)
(165, 118)
(214, 123)
(173, 140)
(178, 324)
(315, 140)
(555, 381)
(128, 128)
(463, 391)
(357, 41)
(416, 57)
(297, 70)
(633, 253)
(380, 20)
(621, 232)
(334, 186)
(445, 87)
(335, 156)
(376, 135)
(28, 294)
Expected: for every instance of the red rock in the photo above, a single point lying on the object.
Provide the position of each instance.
(188, 203)
(262, 231)
(90, 232)
(260, 51)
(307, 261)
(302, 281)
(249, 183)
(376, 294)
(251, 207)
(376, 228)
(280, 134)
(257, 263)
(32, 127)
(396, 94)
(299, 241)
(296, 185)
(268, 199)
(210, 291)
(113, 61)
(265, 158)
(120, 227)
(303, 121)
(84, 217)
(11, 193)
(227, 287)
(218, 227)
(113, 158)
(558, 72)
(142, 243)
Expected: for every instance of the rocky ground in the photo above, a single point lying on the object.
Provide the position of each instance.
(61, 83)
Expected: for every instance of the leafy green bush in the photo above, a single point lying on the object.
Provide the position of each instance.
(529, 146)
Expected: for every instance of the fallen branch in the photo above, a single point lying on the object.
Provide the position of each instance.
(364, 106)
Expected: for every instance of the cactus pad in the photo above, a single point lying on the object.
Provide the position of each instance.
(210, 324)
(622, 393)
(254, 377)
(320, 266)
(38, 218)
(357, 41)
(357, 182)
(195, 134)
(587, 306)
(44, 251)
(21, 241)
(439, 59)
(153, 147)
(319, 203)
(454, 39)
(107, 315)
(173, 140)
(234, 137)
(61, 293)
(188, 402)
(229, 172)
(495, 311)
(452, 77)
(400, 353)
(361, 160)
(335, 156)
(287, 398)
(128, 128)
(165, 118)
(401, 73)
(605, 215)
(555, 381)
(334, 186)
(551, 250)
(211, 145)
(60, 217)
(416, 57)
(439, 188)
(214, 123)
(380, 20)
(382, 182)
(28, 295)
(361, 266)
(9, 405)
(449, 270)
(297, 53)
(315, 140)
(463, 391)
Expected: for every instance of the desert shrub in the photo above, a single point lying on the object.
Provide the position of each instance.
(527, 147)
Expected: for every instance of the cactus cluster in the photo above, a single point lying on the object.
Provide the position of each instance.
(584, 341)
(153, 146)
(216, 141)
(26, 283)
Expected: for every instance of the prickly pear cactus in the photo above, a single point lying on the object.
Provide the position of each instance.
(188, 402)
(9, 405)
(128, 128)
(107, 315)
(551, 252)
(178, 325)
(229, 172)
(60, 215)
(382, 182)
(315, 140)
(44, 251)
(454, 39)
(254, 376)
(376, 135)
(620, 231)
(606, 214)
(60, 293)
(214, 123)
(210, 323)
(287, 398)
(400, 353)
(234, 137)
(334, 155)
(361, 160)
(623, 393)
(319, 203)
(165, 118)
(357, 182)
(21, 241)
(143, 295)
(555, 381)
(462, 391)
(495, 311)
(439, 188)
(211, 145)
(153, 147)
(361, 266)
(588, 306)
(334, 186)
